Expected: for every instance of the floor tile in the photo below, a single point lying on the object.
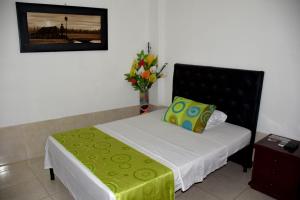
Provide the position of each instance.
(37, 167)
(16, 165)
(14, 174)
(30, 190)
(195, 193)
(62, 196)
(43, 175)
(36, 164)
(35, 136)
(12, 145)
(29, 181)
(178, 193)
(225, 188)
(250, 194)
(234, 172)
(47, 198)
(52, 186)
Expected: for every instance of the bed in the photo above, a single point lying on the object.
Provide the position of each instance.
(190, 156)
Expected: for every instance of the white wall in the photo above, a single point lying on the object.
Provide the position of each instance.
(40, 86)
(256, 34)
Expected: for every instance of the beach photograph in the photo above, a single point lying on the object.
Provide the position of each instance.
(56, 28)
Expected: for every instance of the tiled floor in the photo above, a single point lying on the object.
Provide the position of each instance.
(28, 180)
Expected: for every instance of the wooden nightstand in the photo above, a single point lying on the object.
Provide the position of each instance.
(276, 172)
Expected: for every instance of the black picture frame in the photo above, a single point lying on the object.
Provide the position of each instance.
(87, 35)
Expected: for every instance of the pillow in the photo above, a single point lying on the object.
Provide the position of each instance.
(189, 114)
(218, 117)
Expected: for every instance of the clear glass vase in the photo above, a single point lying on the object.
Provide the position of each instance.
(144, 101)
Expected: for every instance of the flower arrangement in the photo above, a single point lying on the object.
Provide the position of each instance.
(144, 71)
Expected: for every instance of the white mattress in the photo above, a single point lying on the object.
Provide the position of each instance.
(190, 156)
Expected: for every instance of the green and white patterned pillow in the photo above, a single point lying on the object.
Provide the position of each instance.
(189, 114)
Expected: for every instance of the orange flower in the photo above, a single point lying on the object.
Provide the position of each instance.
(146, 74)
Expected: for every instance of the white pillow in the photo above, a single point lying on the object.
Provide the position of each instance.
(217, 118)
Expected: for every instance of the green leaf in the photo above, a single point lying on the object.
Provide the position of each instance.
(154, 62)
(141, 55)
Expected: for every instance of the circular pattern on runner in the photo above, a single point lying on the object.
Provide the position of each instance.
(76, 145)
(90, 166)
(112, 186)
(105, 151)
(125, 166)
(178, 107)
(102, 145)
(148, 161)
(112, 173)
(120, 158)
(86, 135)
(75, 152)
(148, 190)
(125, 148)
(107, 137)
(92, 157)
(144, 174)
(193, 111)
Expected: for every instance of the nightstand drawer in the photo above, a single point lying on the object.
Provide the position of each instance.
(276, 188)
(266, 161)
(266, 185)
(276, 165)
(276, 172)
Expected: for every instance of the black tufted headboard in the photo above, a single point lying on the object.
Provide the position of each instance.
(234, 91)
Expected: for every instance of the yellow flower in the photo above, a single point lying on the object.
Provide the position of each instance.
(133, 68)
(149, 59)
(132, 71)
(135, 64)
(152, 78)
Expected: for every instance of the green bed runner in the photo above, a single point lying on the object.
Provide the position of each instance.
(129, 174)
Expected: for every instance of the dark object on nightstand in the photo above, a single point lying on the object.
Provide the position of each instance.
(291, 146)
(276, 171)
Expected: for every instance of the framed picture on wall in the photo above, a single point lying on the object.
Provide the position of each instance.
(44, 27)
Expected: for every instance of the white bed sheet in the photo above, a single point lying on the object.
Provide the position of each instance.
(190, 156)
